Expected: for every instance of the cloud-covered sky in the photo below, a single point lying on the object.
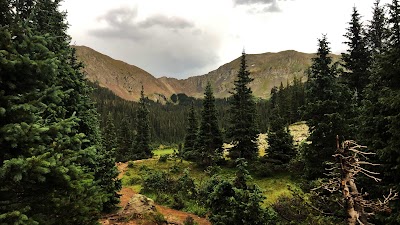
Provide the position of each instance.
(182, 38)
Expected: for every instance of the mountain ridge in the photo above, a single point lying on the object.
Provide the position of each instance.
(125, 80)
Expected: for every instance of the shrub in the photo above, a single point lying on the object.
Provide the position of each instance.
(189, 221)
(164, 199)
(262, 168)
(131, 164)
(175, 169)
(134, 180)
(178, 202)
(163, 158)
(158, 219)
(156, 182)
(196, 208)
(213, 170)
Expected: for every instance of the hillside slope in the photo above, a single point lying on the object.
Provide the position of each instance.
(267, 69)
(121, 78)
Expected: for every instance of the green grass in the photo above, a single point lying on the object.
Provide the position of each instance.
(164, 151)
(272, 187)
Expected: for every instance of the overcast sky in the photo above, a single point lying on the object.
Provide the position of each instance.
(182, 38)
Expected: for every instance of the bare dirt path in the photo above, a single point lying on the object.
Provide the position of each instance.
(172, 215)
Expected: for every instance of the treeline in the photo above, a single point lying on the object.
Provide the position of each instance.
(53, 166)
(168, 121)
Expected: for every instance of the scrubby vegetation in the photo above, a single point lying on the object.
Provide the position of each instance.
(57, 163)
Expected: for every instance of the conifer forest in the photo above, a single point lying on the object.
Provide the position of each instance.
(74, 152)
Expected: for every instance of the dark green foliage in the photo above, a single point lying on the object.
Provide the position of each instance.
(110, 142)
(236, 202)
(51, 160)
(189, 221)
(377, 32)
(381, 112)
(168, 122)
(107, 167)
(243, 128)
(142, 144)
(325, 110)
(356, 60)
(280, 143)
(287, 102)
(208, 147)
(156, 182)
(163, 158)
(125, 142)
(171, 191)
(191, 135)
(296, 210)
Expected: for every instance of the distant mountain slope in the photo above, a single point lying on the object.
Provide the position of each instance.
(121, 78)
(267, 69)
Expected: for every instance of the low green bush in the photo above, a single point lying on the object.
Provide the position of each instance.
(134, 180)
(163, 158)
(189, 221)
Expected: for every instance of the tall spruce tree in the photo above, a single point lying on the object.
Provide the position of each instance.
(47, 18)
(191, 135)
(243, 128)
(107, 168)
(377, 31)
(110, 142)
(47, 164)
(325, 109)
(142, 143)
(356, 60)
(382, 109)
(209, 140)
(125, 142)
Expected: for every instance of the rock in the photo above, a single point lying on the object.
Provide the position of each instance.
(138, 207)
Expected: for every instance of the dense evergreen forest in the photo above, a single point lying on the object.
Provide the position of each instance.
(168, 121)
(60, 136)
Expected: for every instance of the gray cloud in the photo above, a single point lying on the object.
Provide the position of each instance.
(272, 8)
(167, 22)
(250, 2)
(122, 23)
(162, 45)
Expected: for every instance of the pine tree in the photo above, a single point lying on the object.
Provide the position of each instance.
(324, 110)
(356, 60)
(110, 142)
(209, 140)
(237, 202)
(43, 180)
(243, 129)
(108, 169)
(125, 142)
(381, 112)
(63, 156)
(191, 135)
(142, 143)
(280, 142)
(377, 32)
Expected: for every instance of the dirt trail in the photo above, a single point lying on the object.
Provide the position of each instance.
(172, 215)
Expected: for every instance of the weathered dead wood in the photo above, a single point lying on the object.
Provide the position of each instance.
(351, 157)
